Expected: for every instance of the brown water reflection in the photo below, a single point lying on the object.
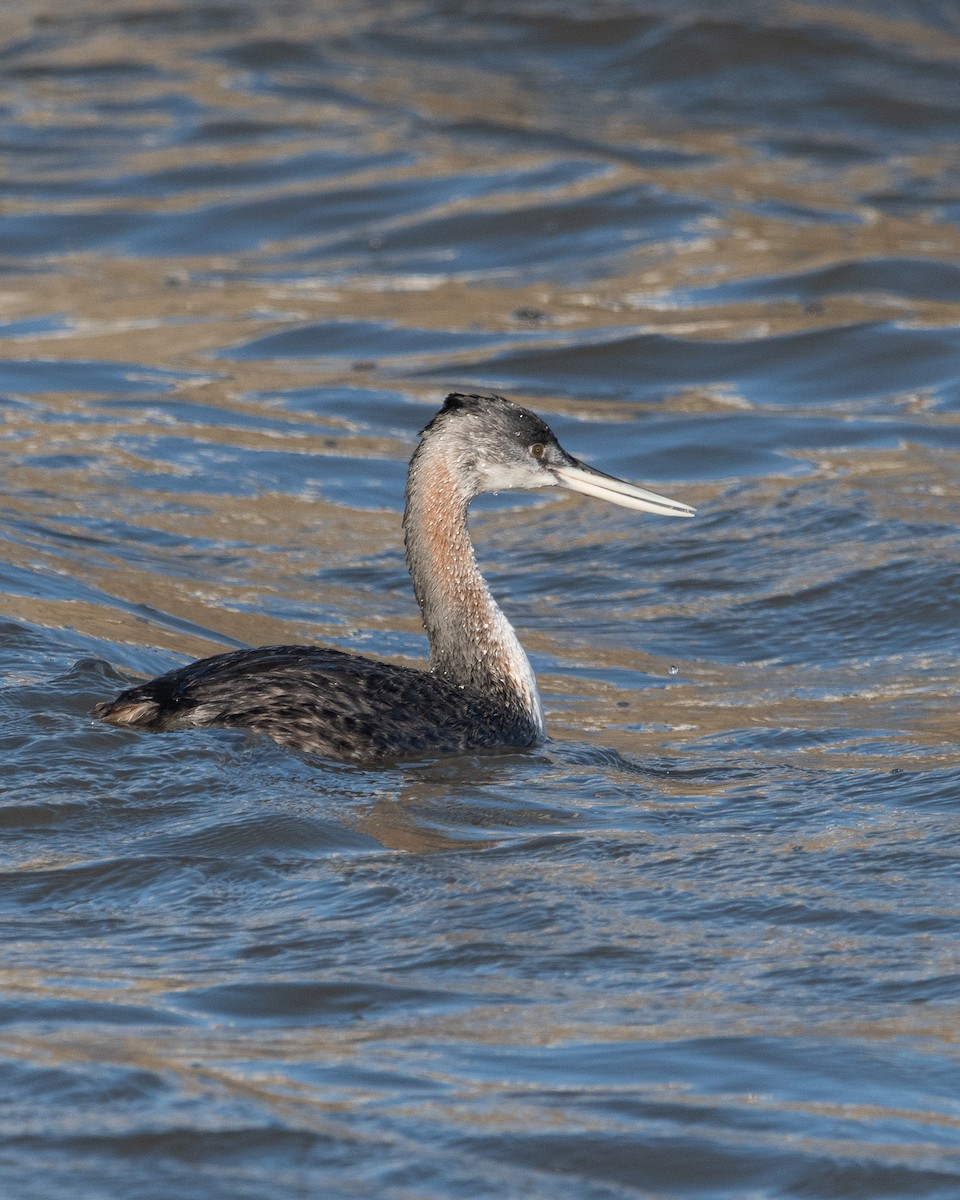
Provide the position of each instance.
(703, 941)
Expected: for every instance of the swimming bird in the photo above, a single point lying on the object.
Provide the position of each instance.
(480, 691)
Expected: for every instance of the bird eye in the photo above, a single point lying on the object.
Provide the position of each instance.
(538, 449)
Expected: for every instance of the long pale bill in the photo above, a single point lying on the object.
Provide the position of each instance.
(581, 478)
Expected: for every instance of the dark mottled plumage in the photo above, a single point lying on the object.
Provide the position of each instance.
(322, 701)
(480, 691)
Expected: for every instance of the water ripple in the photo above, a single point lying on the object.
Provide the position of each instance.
(701, 942)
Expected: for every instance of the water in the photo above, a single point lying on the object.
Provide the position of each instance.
(703, 942)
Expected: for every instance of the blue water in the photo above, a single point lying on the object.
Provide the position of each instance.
(703, 942)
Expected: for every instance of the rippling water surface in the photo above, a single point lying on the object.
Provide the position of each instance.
(703, 943)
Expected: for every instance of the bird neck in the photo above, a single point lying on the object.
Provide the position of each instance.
(472, 644)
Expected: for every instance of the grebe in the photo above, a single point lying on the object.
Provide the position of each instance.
(480, 691)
